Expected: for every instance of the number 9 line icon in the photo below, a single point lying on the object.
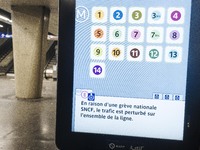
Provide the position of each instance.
(98, 51)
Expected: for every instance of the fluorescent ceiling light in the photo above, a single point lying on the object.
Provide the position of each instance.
(5, 19)
(1, 26)
(8, 36)
(52, 37)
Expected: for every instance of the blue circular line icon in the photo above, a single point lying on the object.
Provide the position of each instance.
(118, 15)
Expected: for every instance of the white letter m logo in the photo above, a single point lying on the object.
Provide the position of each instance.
(82, 14)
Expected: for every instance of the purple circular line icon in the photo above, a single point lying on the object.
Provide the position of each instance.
(176, 15)
(97, 70)
(174, 35)
(84, 94)
(136, 34)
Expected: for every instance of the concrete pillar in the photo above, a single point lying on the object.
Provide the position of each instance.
(29, 29)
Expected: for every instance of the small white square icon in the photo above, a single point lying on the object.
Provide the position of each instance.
(173, 54)
(155, 34)
(117, 34)
(176, 15)
(174, 35)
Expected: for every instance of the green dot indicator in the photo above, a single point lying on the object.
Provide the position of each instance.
(137, 15)
(154, 53)
(98, 51)
(117, 33)
(155, 34)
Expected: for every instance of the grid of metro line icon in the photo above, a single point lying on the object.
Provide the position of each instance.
(144, 26)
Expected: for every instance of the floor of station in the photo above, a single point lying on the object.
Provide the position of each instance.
(27, 124)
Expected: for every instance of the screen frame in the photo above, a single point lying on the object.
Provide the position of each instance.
(66, 139)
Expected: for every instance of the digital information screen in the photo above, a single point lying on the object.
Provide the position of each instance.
(130, 67)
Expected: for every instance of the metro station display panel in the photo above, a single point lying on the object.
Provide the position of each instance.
(130, 68)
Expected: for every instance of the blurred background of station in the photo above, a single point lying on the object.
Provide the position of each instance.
(28, 44)
(28, 74)
(6, 46)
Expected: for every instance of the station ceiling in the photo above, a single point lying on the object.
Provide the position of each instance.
(52, 4)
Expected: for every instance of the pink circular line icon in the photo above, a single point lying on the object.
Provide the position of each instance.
(84, 94)
(176, 15)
